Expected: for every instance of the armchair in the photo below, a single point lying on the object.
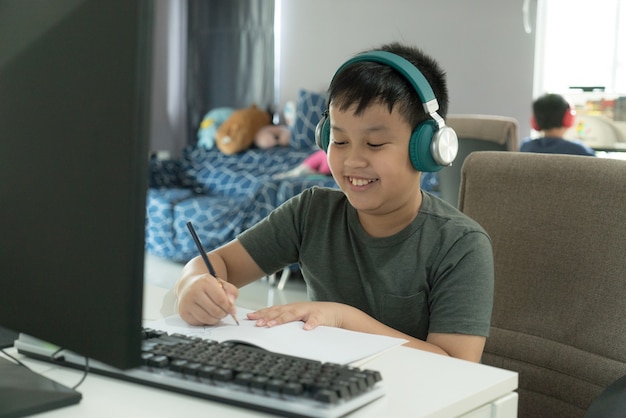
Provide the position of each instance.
(476, 133)
(559, 239)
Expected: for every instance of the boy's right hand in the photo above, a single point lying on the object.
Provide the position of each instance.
(203, 300)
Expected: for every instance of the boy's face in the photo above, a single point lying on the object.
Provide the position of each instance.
(368, 156)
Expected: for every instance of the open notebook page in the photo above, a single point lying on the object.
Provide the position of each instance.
(325, 344)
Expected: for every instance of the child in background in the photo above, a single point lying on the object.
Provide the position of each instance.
(378, 255)
(553, 116)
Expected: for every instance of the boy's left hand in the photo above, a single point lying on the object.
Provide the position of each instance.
(312, 314)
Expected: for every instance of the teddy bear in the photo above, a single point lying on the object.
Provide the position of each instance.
(237, 133)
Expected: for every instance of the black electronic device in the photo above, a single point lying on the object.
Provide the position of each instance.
(74, 117)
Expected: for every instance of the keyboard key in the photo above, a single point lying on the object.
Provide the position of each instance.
(158, 361)
(178, 365)
(275, 385)
(244, 378)
(206, 371)
(293, 388)
(326, 396)
(191, 369)
(259, 382)
(222, 375)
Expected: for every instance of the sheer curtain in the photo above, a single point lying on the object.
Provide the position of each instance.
(230, 56)
(580, 43)
(168, 120)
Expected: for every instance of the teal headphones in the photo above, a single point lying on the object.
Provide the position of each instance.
(433, 145)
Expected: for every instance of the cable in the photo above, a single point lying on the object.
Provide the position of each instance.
(80, 382)
(13, 358)
(54, 359)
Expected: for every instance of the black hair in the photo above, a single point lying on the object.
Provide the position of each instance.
(549, 111)
(365, 83)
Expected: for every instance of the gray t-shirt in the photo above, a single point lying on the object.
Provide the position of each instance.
(436, 275)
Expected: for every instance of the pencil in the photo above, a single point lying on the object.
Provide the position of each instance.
(206, 261)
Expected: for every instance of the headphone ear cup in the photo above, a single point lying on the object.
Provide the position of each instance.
(533, 123)
(420, 147)
(322, 133)
(569, 117)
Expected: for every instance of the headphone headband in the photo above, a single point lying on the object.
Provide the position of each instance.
(408, 71)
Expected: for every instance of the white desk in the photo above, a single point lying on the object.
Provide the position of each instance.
(418, 384)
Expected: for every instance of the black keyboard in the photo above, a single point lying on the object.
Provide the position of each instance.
(239, 374)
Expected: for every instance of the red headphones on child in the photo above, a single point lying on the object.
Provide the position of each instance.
(569, 117)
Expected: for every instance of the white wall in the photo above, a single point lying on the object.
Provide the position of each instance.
(480, 43)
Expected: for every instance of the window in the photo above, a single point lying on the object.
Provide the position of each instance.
(580, 53)
(580, 43)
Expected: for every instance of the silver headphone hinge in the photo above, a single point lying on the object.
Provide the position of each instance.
(440, 122)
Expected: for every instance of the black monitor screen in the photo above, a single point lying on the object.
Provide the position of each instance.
(74, 93)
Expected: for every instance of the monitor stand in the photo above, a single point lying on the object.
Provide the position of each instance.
(24, 392)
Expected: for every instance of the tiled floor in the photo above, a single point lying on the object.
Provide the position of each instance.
(164, 273)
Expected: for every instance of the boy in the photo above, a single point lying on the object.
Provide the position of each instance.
(378, 256)
(553, 116)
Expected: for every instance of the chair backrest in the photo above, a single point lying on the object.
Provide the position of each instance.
(476, 133)
(558, 226)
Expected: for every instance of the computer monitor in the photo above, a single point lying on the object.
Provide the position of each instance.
(74, 95)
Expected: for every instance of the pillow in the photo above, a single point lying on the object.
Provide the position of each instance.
(309, 110)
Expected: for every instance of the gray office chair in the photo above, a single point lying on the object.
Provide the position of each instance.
(476, 133)
(559, 239)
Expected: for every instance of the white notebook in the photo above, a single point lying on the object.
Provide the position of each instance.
(325, 344)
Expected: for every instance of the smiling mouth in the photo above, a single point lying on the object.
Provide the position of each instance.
(360, 182)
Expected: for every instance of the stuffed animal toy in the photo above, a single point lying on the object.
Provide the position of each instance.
(272, 135)
(314, 164)
(237, 133)
(289, 113)
(210, 124)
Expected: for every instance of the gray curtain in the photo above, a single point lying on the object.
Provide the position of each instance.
(168, 119)
(230, 56)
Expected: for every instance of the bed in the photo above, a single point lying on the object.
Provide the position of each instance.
(222, 195)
